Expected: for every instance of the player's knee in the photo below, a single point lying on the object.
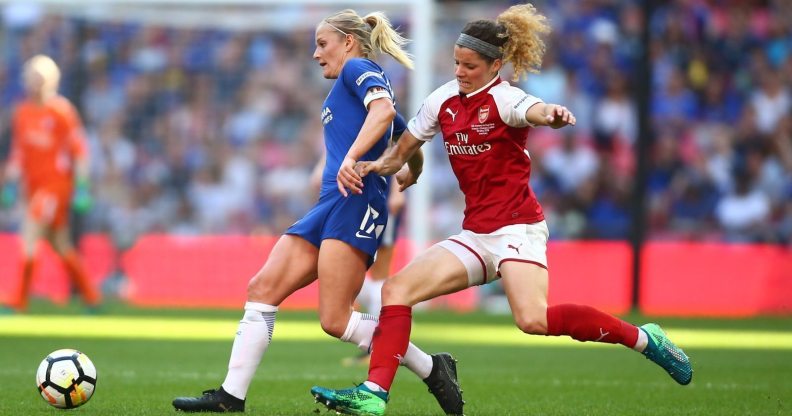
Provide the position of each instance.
(531, 324)
(258, 290)
(332, 326)
(394, 293)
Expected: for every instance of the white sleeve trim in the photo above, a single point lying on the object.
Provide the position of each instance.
(372, 95)
(532, 103)
(411, 126)
(513, 103)
(425, 125)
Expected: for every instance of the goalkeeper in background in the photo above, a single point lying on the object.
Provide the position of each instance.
(48, 169)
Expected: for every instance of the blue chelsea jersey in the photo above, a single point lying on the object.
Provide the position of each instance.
(343, 114)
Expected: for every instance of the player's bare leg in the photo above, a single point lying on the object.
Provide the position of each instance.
(336, 302)
(291, 265)
(371, 292)
(400, 293)
(342, 269)
(526, 288)
(370, 297)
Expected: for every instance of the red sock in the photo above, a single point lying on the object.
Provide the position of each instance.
(21, 301)
(80, 278)
(585, 323)
(389, 344)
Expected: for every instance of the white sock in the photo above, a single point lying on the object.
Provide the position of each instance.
(360, 331)
(373, 386)
(418, 361)
(642, 342)
(371, 296)
(253, 336)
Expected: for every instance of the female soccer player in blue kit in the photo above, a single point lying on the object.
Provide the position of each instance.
(336, 241)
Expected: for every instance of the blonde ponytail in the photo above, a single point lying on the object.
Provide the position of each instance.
(374, 33)
(387, 40)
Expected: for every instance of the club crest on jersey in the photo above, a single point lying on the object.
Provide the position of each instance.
(483, 114)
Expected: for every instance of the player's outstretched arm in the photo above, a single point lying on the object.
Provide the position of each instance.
(394, 158)
(553, 115)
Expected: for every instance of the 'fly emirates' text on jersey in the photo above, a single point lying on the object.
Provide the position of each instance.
(484, 134)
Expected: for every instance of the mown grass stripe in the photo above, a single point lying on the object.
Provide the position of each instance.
(112, 327)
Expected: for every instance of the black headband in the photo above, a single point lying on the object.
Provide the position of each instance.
(478, 45)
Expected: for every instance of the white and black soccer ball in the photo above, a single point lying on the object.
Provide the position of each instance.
(66, 379)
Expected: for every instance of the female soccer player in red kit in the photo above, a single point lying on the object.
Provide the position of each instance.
(50, 158)
(485, 123)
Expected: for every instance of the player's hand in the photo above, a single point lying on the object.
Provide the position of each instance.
(366, 167)
(405, 177)
(82, 200)
(559, 116)
(8, 194)
(347, 178)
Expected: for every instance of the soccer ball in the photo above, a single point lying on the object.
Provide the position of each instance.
(66, 379)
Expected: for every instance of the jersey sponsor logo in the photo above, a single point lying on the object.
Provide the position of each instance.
(327, 116)
(453, 114)
(463, 149)
(367, 74)
(461, 137)
(369, 229)
(483, 113)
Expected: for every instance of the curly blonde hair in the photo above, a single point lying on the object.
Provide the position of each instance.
(518, 33)
(525, 47)
(373, 32)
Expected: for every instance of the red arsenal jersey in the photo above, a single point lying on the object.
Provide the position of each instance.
(484, 134)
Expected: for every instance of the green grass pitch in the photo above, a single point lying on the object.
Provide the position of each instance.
(147, 357)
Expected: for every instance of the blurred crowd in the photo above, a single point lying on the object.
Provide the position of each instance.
(208, 130)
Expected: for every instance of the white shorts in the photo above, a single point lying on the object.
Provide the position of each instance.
(483, 254)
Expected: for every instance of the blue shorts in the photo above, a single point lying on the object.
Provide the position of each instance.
(357, 220)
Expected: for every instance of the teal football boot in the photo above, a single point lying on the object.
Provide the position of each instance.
(664, 353)
(358, 401)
